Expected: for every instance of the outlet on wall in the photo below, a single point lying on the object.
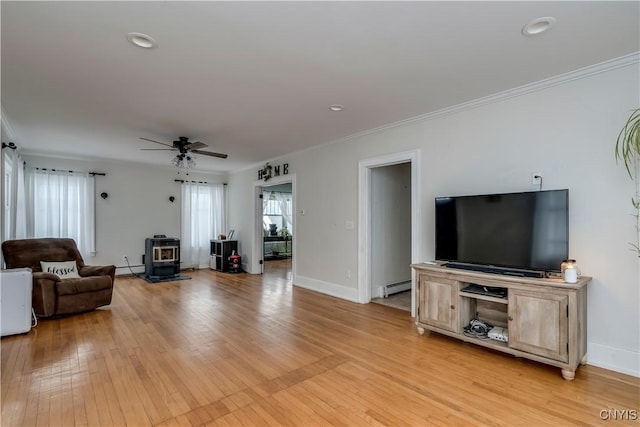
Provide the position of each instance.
(124, 258)
(536, 178)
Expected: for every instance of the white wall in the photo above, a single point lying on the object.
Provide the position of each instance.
(390, 226)
(242, 209)
(138, 205)
(565, 131)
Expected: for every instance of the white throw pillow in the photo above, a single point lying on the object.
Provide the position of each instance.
(63, 269)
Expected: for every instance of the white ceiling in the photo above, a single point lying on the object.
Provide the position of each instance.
(255, 79)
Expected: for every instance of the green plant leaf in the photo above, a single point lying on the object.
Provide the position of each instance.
(627, 150)
(628, 142)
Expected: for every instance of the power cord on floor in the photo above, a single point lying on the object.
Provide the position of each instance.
(126, 259)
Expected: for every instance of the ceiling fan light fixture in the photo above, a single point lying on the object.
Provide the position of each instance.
(141, 40)
(181, 161)
(538, 26)
(191, 162)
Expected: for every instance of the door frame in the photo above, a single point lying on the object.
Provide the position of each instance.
(257, 254)
(364, 221)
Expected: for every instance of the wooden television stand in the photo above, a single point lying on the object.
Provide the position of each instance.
(546, 318)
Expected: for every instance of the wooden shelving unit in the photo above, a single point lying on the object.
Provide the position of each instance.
(221, 250)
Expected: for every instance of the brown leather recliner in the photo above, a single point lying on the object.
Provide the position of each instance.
(52, 295)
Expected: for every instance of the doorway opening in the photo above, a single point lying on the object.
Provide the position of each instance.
(274, 236)
(277, 230)
(390, 226)
(390, 189)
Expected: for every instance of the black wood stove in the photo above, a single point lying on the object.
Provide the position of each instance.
(161, 257)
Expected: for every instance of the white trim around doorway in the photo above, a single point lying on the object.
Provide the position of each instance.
(364, 223)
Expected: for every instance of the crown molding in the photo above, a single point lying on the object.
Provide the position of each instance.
(581, 73)
(8, 130)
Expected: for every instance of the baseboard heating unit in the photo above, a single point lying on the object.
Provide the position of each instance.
(394, 288)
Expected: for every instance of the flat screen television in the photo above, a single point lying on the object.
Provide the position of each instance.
(504, 233)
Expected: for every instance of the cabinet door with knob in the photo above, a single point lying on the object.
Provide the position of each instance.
(538, 323)
(437, 302)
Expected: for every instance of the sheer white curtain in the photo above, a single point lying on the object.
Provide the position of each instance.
(278, 203)
(202, 220)
(62, 204)
(285, 203)
(14, 203)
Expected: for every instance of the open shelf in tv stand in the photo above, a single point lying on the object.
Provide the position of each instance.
(546, 318)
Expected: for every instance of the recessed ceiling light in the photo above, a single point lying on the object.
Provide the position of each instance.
(141, 40)
(538, 26)
(336, 107)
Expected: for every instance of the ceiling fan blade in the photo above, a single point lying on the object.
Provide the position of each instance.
(195, 145)
(158, 149)
(208, 153)
(151, 140)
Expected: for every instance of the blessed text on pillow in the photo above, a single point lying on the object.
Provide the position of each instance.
(63, 269)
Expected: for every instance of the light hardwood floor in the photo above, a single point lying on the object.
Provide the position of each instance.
(242, 350)
(401, 300)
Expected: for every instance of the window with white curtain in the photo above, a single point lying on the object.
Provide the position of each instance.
(277, 208)
(202, 220)
(6, 205)
(13, 203)
(62, 204)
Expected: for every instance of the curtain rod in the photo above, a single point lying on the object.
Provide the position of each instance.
(62, 170)
(195, 182)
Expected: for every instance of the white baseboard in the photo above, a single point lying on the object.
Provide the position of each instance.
(125, 271)
(338, 291)
(614, 359)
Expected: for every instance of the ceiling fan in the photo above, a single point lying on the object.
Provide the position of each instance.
(184, 147)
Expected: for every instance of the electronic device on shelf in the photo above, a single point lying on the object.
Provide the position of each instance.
(490, 291)
(499, 334)
(482, 330)
(521, 234)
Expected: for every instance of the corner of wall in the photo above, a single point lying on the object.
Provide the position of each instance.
(332, 289)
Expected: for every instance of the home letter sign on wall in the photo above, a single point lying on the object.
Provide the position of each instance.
(268, 171)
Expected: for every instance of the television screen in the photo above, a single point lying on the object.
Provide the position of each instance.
(528, 231)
